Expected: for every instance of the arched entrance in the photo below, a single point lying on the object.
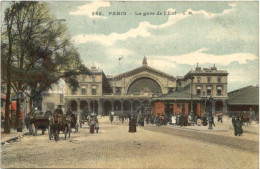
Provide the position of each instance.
(73, 106)
(117, 106)
(94, 107)
(107, 107)
(219, 106)
(127, 107)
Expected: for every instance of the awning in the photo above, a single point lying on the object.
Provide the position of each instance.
(198, 87)
(219, 87)
(208, 87)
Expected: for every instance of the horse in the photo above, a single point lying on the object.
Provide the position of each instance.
(58, 123)
(245, 118)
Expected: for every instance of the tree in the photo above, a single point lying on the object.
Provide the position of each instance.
(42, 47)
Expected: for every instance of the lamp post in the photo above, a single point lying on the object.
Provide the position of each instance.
(210, 112)
(20, 97)
(191, 103)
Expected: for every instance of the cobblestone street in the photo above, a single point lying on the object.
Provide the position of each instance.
(115, 147)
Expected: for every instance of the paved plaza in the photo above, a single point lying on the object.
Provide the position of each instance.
(150, 147)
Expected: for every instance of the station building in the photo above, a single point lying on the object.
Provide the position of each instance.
(149, 87)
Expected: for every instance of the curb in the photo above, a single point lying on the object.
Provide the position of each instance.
(14, 138)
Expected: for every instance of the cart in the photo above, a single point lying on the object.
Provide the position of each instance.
(41, 123)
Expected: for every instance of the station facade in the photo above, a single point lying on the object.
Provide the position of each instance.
(149, 87)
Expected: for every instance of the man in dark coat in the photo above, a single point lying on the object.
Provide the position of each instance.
(111, 118)
(238, 126)
(132, 124)
(181, 120)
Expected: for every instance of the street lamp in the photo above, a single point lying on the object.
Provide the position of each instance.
(210, 112)
(191, 104)
(19, 97)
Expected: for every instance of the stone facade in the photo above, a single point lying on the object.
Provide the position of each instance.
(126, 92)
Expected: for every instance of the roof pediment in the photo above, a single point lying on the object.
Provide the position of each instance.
(144, 68)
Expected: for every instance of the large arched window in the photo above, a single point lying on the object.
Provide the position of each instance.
(144, 85)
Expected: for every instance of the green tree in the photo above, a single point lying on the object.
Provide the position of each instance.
(42, 47)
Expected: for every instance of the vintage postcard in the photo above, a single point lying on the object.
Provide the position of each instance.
(130, 84)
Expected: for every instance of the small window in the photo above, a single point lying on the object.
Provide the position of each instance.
(83, 91)
(219, 79)
(198, 79)
(208, 79)
(94, 90)
(219, 91)
(208, 90)
(198, 90)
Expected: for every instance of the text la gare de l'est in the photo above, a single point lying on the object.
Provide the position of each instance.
(142, 13)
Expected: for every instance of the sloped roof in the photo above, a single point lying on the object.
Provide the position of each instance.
(144, 68)
(178, 95)
(245, 96)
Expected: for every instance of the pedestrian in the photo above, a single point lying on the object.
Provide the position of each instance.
(181, 120)
(238, 126)
(96, 125)
(132, 124)
(211, 122)
(204, 121)
(174, 120)
(111, 118)
(189, 120)
(178, 119)
(198, 121)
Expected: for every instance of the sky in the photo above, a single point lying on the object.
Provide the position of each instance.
(221, 33)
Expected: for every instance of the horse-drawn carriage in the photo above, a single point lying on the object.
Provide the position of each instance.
(58, 123)
(41, 123)
(37, 121)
